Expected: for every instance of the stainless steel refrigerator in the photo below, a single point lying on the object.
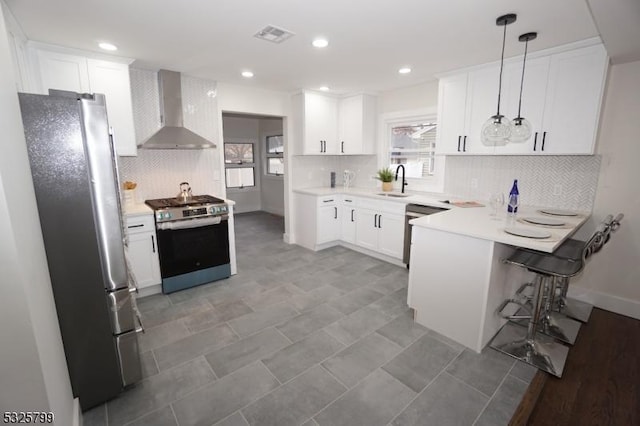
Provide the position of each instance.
(75, 179)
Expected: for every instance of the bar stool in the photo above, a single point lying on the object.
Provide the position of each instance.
(538, 350)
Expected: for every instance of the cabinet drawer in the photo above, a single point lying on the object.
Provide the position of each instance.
(348, 200)
(329, 200)
(136, 224)
(383, 206)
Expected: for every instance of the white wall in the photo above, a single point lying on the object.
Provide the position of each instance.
(420, 97)
(612, 278)
(33, 371)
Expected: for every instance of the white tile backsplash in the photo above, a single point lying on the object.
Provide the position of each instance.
(567, 182)
(158, 173)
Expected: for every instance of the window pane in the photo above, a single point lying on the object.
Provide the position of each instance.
(275, 144)
(240, 177)
(414, 146)
(238, 153)
(275, 166)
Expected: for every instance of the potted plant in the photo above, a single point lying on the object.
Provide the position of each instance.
(386, 177)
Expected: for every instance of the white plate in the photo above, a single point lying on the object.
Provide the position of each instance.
(556, 212)
(528, 233)
(543, 221)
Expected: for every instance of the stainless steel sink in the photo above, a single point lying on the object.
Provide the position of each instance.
(393, 194)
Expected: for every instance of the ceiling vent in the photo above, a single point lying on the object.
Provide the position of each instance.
(273, 34)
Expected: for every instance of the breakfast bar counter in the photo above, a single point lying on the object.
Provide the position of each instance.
(457, 278)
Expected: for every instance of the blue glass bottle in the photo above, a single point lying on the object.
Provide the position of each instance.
(514, 195)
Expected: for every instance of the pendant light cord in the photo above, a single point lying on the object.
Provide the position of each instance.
(524, 63)
(504, 37)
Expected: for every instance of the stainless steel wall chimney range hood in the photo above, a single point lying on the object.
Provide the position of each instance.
(173, 134)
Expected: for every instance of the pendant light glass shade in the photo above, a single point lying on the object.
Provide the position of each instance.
(521, 127)
(497, 129)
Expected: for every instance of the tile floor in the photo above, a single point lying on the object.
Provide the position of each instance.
(306, 338)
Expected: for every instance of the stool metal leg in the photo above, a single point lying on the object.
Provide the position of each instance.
(554, 324)
(572, 308)
(538, 350)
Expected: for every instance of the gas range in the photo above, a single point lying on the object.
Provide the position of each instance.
(200, 206)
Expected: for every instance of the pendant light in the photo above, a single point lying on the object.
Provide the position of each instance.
(497, 129)
(521, 127)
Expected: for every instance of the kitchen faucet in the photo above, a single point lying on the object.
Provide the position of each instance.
(404, 182)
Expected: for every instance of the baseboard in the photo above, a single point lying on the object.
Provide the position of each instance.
(619, 305)
(77, 413)
(372, 253)
(148, 291)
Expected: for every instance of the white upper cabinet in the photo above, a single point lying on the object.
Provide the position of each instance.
(63, 71)
(561, 98)
(356, 125)
(112, 79)
(330, 126)
(317, 123)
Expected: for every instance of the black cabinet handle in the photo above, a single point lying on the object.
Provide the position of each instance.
(352, 210)
(380, 221)
(153, 244)
(335, 214)
(464, 144)
(544, 136)
(320, 146)
(328, 201)
(135, 226)
(459, 137)
(375, 221)
(535, 141)
(342, 147)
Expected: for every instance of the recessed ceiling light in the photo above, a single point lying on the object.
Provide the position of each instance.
(247, 74)
(405, 70)
(107, 46)
(320, 42)
(324, 88)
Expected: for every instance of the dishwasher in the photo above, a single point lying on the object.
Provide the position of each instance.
(414, 211)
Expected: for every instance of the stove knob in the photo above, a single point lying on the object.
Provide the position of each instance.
(167, 215)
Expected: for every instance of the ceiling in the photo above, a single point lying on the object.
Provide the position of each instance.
(369, 39)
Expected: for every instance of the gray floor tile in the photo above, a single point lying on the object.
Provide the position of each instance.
(256, 321)
(311, 299)
(308, 282)
(444, 339)
(446, 402)
(355, 300)
(358, 360)
(523, 371)
(148, 364)
(221, 312)
(217, 401)
(294, 359)
(245, 351)
(295, 401)
(234, 292)
(390, 283)
(162, 335)
(161, 417)
(309, 322)
(353, 280)
(235, 419)
(393, 304)
(403, 331)
(167, 314)
(310, 422)
(97, 416)
(357, 325)
(278, 294)
(483, 371)
(374, 401)
(384, 269)
(504, 403)
(193, 346)
(154, 302)
(421, 362)
(158, 391)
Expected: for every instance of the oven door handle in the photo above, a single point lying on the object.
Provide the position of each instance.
(191, 223)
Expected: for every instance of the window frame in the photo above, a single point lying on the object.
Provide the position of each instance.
(269, 155)
(433, 183)
(240, 165)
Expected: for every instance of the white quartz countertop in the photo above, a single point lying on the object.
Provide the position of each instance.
(479, 223)
(138, 209)
(425, 198)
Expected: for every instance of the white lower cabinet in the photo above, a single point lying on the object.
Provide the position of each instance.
(328, 220)
(349, 220)
(142, 250)
(380, 231)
